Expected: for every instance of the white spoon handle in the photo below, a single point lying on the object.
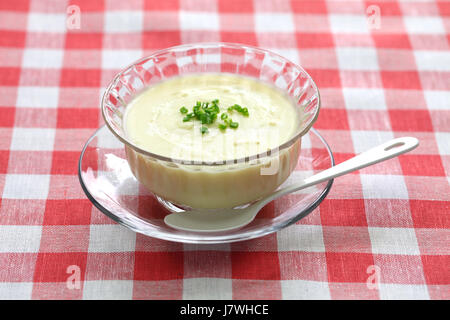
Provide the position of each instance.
(380, 153)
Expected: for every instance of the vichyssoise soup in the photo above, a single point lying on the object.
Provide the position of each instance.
(211, 118)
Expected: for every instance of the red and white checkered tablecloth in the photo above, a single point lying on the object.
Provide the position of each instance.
(383, 69)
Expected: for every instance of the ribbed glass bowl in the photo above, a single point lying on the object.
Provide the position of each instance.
(235, 59)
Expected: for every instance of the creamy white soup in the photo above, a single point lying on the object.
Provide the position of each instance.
(154, 122)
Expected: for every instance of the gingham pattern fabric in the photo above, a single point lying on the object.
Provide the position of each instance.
(381, 233)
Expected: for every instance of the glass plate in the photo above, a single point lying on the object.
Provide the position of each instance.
(108, 182)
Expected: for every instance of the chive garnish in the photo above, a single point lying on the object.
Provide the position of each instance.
(206, 112)
(183, 110)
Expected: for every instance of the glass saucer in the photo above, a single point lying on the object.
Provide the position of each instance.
(109, 184)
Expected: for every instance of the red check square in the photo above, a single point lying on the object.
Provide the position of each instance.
(89, 5)
(7, 117)
(431, 265)
(444, 8)
(67, 212)
(65, 162)
(400, 79)
(255, 265)
(239, 37)
(235, 6)
(309, 6)
(59, 266)
(422, 165)
(158, 266)
(11, 38)
(325, 78)
(430, 213)
(19, 5)
(77, 118)
(314, 40)
(80, 78)
(343, 212)
(386, 8)
(392, 41)
(167, 5)
(348, 267)
(83, 40)
(160, 39)
(9, 76)
(410, 121)
(4, 159)
(196, 265)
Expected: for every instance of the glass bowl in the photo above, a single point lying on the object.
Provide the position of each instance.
(219, 184)
(108, 182)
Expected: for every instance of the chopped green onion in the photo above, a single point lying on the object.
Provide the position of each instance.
(183, 110)
(207, 112)
(234, 125)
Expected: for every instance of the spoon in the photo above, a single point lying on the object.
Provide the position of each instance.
(219, 220)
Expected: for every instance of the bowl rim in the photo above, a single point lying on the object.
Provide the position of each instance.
(262, 155)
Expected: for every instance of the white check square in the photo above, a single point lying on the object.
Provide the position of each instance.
(47, 22)
(348, 23)
(20, 238)
(207, 288)
(42, 58)
(308, 238)
(424, 25)
(432, 60)
(377, 186)
(15, 290)
(111, 238)
(118, 59)
(26, 186)
(108, 290)
(199, 21)
(123, 21)
(274, 22)
(357, 58)
(364, 99)
(304, 290)
(364, 140)
(437, 99)
(403, 292)
(33, 139)
(394, 241)
(443, 142)
(290, 54)
(37, 97)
